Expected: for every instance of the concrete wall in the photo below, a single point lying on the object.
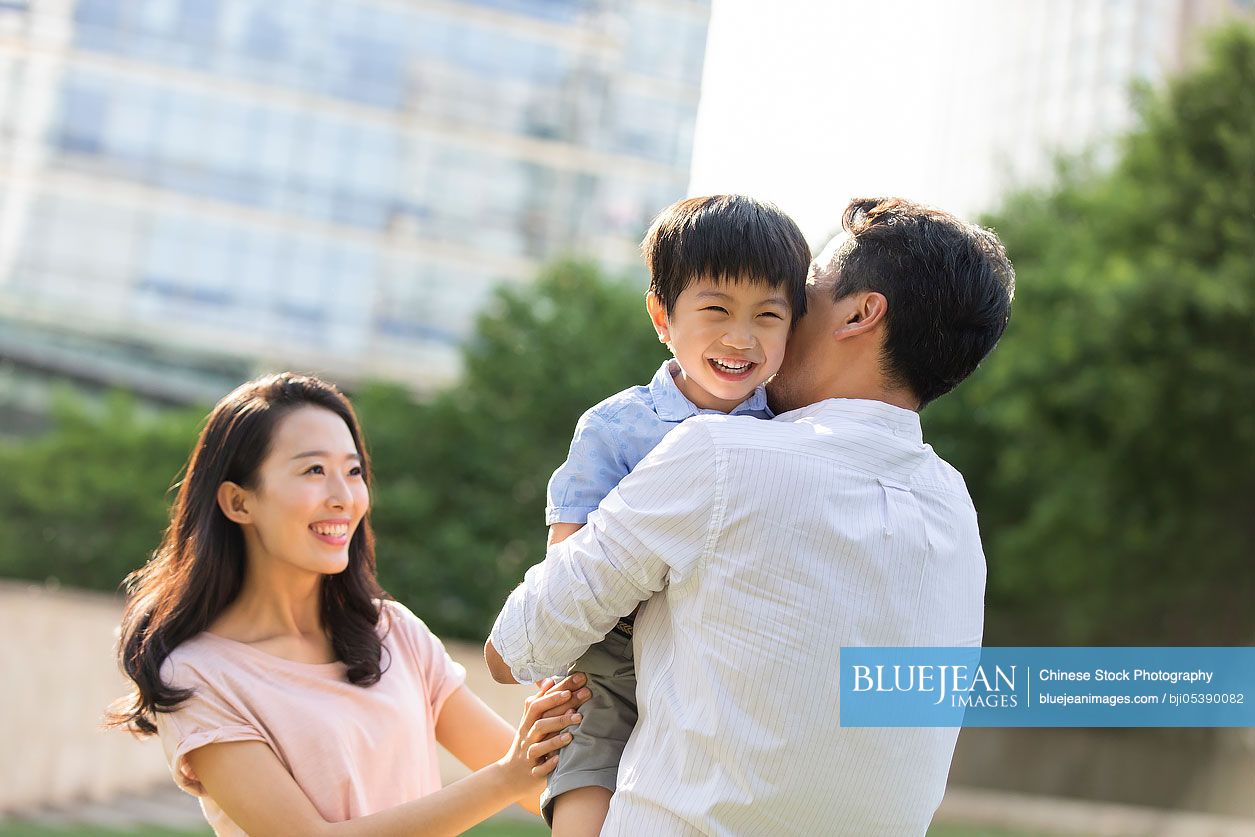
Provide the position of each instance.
(59, 676)
(1206, 770)
(56, 654)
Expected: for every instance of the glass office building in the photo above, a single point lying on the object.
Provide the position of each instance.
(329, 184)
(1030, 80)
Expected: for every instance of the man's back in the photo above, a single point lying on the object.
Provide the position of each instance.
(835, 526)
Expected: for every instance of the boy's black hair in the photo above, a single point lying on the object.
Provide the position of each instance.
(726, 238)
(948, 283)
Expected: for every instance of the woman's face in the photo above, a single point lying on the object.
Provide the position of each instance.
(310, 494)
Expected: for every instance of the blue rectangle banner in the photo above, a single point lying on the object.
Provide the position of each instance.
(1048, 687)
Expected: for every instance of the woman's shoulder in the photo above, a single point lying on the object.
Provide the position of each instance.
(395, 616)
(192, 662)
(411, 629)
(424, 652)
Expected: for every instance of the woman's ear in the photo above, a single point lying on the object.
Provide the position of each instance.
(658, 315)
(233, 500)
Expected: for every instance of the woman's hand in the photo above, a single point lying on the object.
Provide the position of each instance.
(534, 752)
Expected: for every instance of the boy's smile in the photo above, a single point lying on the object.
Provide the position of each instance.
(730, 368)
(728, 337)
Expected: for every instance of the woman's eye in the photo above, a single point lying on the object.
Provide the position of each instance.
(355, 471)
(314, 469)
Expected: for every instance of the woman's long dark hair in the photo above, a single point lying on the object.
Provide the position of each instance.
(199, 567)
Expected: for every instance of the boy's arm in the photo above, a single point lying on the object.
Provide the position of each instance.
(594, 464)
(558, 532)
(649, 532)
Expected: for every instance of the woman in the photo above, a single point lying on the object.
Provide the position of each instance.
(291, 694)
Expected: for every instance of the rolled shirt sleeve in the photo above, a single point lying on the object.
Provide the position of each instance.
(649, 532)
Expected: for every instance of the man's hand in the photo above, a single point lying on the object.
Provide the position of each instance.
(497, 666)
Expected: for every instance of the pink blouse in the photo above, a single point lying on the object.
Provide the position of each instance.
(353, 750)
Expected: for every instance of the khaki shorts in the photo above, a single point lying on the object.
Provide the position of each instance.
(592, 757)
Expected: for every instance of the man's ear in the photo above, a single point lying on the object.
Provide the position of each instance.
(863, 312)
(658, 315)
(233, 500)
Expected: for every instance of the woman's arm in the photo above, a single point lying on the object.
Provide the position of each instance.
(250, 784)
(477, 736)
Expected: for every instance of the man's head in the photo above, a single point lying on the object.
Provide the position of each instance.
(727, 281)
(903, 305)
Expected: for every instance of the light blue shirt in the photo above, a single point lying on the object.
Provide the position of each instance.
(613, 436)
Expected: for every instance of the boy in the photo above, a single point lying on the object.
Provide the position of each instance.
(727, 282)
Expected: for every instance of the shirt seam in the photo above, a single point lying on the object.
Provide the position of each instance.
(558, 510)
(616, 443)
(714, 521)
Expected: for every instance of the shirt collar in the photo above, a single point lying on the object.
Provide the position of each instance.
(672, 405)
(901, 422)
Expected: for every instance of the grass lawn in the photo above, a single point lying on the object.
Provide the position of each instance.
(25, 829)
(492, 829)
(12, 828)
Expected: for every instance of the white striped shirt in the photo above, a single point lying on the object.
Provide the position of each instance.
(771, 544)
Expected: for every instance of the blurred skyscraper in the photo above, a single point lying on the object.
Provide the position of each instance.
(1029, 79)
(325, 184)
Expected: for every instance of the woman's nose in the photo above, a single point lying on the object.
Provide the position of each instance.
(337, 493)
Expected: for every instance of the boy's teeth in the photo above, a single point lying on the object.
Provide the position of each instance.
(730, 367)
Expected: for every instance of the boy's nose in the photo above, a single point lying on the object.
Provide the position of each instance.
(739, 339)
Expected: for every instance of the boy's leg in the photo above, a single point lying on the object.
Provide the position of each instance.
(581, 812)
(579, 790)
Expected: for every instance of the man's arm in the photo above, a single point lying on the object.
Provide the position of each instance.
(497, 667)
(649, 532)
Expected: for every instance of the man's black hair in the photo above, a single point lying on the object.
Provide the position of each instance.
(948, 284)
(726, 238)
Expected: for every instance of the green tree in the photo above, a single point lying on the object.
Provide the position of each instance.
(87, 502)
(461, 480)
(1110, 442)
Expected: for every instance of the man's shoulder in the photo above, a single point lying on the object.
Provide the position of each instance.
(938, 473)
(743, 430)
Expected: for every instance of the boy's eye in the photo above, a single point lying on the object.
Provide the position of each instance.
(718, 308)
(771, 314)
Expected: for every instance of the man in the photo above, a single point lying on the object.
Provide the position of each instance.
(773, 544)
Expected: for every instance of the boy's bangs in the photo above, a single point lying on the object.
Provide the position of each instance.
(727, 238)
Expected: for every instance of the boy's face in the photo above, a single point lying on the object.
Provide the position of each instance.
(728, 337)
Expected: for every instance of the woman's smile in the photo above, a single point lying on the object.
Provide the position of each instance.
(334, 532)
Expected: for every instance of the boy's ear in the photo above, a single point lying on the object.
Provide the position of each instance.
(233, 500)
(658, 315)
